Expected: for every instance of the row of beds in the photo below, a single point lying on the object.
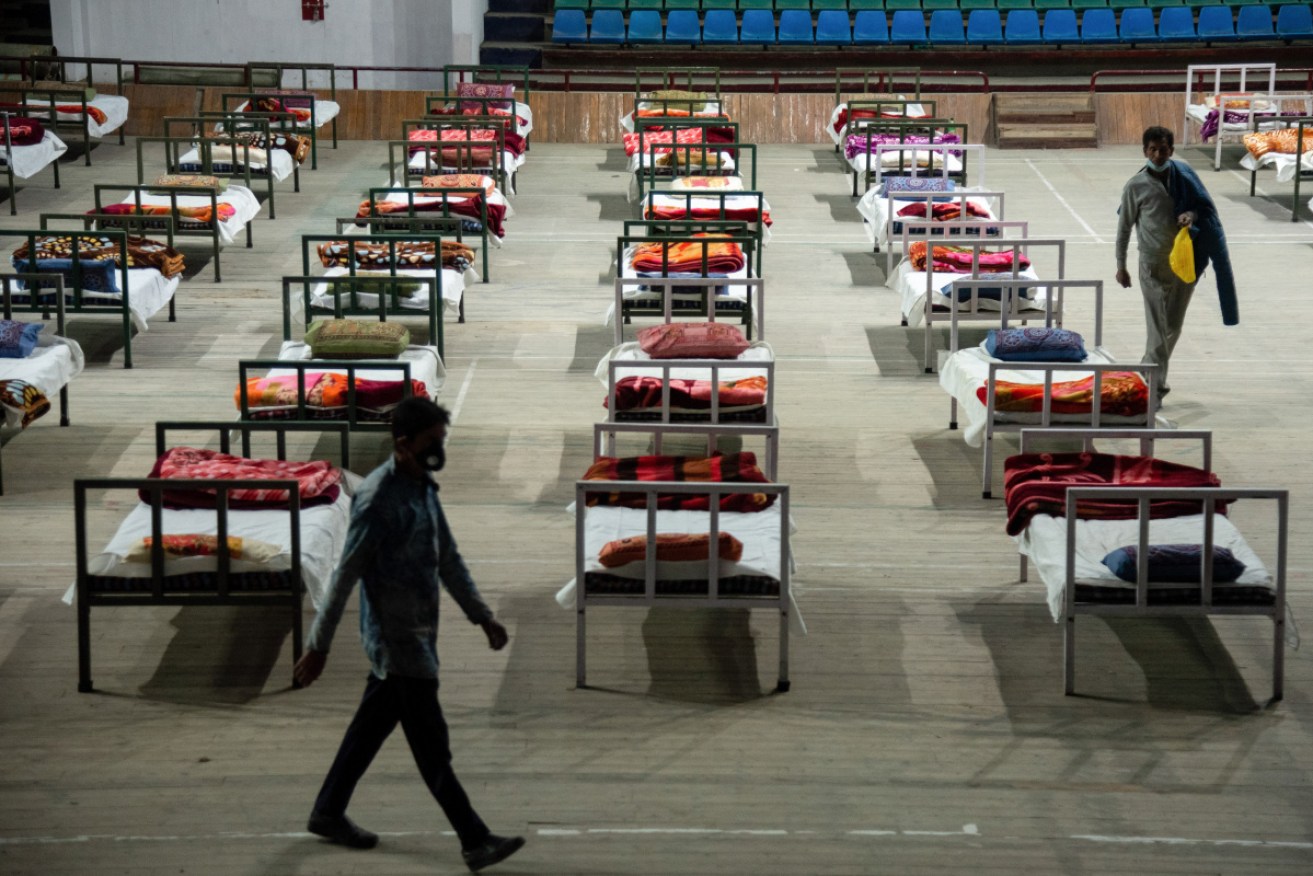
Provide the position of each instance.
(215, 527)
(1112, 534)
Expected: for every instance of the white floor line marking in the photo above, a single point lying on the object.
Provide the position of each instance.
(1186, 841)
(1063, 202)
(464, 389)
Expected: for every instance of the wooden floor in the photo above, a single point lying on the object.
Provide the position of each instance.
(926, 730)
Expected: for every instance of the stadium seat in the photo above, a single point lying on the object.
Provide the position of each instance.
(756, 4)
(1022, 28)
(608, 26)
(642, 4)
(757, 26)
(683, 5)
(946, 28)
(833, 28)
(932, 5)
(985, 28)
(1196, 4)
(719, 4)
(1044, 5)
(1137, 26)
(896, 5)
(1176, 25)
(1004, 5)
(720, 27)
(645, 26)
(1060, 27)
(1163, 4)
(781, 5)
(569, 26)
(821, 5)
(796, 27)
(1254, 23)
(908, 26)
(570, 4)
(870, 27)
(1098, 26)
(609, 4)
(859, 5)
(683, 26)
(1088, 4)
(1295, 23)
(1127, 4)
(1216, 24)
(968, 5)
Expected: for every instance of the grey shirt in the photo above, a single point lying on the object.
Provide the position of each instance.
(1146, 205)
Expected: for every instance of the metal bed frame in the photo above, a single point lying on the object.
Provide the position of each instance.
(173, 152)
(58, 65)
(1245, 73)
(1301, 124)
(719, 196)
(519, 76)
(462, 149)
(652, 489)
(1054, 304)
(275, 70)
(717, 369)
(648, 175)
(444, 211)
(751, 312)
(160, 591)
(887, 233)
(7, 281)
(389, 302)
(879, 108)
(931, 128)
(9, 147)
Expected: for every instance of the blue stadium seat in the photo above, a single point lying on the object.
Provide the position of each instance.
(1097, 26)
(1254, 23)
(1060, 27)
(645, 26)
(1176, 25)
(796, 27)
(833, 28)
(1137, 26)
(1216, 24)
(1295, 23)
(870, 27)
(908, 27)
(946, 28)
(985, 28)
(1023, 28)
(683, 26)
(608, 26)
(720, 27)
(757, 26)
(569, 26)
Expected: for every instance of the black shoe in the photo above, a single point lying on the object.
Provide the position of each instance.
(342, 830)
(494, 850)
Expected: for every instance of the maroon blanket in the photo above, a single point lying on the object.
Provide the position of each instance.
(726, 468)
(1036, 483)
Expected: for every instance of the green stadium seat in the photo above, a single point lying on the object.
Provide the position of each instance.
(968, 5)
(1004, 5)
(932, 5)
(1044, 5)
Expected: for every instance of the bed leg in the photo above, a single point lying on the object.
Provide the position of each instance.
(297, 622)
(782, 686)
(1278, 654)
(84, 646)
(580, 665)
(1069, 655)
(1023, 575)
(986, 476)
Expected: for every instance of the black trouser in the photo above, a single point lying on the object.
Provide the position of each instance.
(414, 703)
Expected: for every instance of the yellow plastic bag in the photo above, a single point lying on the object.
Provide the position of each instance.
(1182, 257)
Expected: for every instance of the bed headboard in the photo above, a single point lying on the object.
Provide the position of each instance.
(891, 81)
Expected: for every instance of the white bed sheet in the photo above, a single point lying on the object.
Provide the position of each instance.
(967, 370)
(52, 364)
(148, 293)
(425, 365)
(910, 285)
(1285, 164)
(453, 288)
(323, 536)
(28, 161)
(114, 106)
(282, 163)
(243, 200)
(1044, 543)
(874, 208)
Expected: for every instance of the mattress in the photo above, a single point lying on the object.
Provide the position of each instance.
(876, 210)
(453, 287)
(425, 365)
(148, 293)
(323, 535)
(243, 200)
(114, 106)
(52, 364)
(283, 164)
(1044, 543)
(911, 287)
(28, 161)
(967, 370)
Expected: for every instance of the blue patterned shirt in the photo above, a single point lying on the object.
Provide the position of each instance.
(399, 547)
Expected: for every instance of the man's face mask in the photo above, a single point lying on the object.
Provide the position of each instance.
(1153, 165)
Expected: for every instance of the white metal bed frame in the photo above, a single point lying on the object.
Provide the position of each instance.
(755, 301)
(961, 196)
(1246, 72)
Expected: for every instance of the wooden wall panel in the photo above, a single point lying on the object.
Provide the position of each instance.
(1122, 118)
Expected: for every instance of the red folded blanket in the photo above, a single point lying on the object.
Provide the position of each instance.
(318, 481)
(958, 259)
(24, 131)
(728, 468)
(645, 392)
(945, 211)
(1123, 394)
(1036, 483)
(734, 214)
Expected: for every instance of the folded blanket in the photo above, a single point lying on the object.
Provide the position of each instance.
(1124, 394)
(1284, 141)
(410, 254)
(645, 392)
(866, 143)
(295, 145)
(736, 214)
(318, 481)
(514, 143)
(203, 215)
(713, 258)
(1036, 483)
(23, 131)
(727, 468)
(653, 140)
(21, 402)
(944, 212)
(142, 252)
(958, 259)
(460, 181)
(326, 391)
(841, 120)
(454, 205)
(282, 105)
(671, 547)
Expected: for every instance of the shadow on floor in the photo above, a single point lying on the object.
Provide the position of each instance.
(865, 269)
(612, 207)
(899, 351)
(842, 207)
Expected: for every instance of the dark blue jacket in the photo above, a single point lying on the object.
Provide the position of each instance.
(1188, 194)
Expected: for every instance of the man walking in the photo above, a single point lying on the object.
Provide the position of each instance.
(399, 547)
(1159, 200)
